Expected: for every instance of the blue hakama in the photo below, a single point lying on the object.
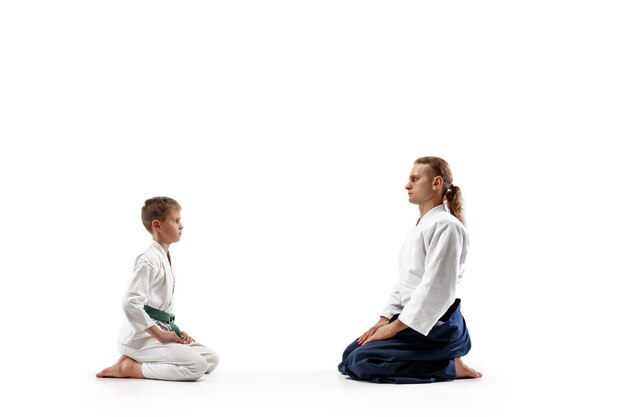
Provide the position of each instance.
(410, 357)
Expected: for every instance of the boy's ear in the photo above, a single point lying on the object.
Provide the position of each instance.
(156, 224)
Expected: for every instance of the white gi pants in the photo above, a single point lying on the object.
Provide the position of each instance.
(171, 361)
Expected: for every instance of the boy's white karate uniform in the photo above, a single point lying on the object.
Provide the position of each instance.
(153, 284)
(432, 261)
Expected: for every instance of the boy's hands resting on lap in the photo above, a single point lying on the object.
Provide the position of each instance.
(186, 338)
(164, 336)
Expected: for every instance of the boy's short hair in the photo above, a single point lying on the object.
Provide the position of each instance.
(157, 208)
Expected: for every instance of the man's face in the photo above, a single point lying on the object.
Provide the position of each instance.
(421, 184)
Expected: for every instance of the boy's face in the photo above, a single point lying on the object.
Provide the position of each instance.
(170, 229)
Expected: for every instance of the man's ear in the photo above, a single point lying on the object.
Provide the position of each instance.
(156, 224)
(437, 182)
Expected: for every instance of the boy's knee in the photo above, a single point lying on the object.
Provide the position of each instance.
(194, 368)
(212, 361)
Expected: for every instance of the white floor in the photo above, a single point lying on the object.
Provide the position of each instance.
(313, 393)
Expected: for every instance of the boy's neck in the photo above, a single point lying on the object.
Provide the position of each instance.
(164, 245)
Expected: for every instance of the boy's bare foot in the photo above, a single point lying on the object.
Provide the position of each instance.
(125, 367)
(464, 371)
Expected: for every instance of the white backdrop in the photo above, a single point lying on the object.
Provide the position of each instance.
(286, 130)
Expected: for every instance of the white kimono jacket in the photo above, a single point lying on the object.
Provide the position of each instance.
(432, 261)
(152, 284)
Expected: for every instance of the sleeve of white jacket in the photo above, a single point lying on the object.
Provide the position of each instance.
(437, 290)
(393, 305)
(137, 296)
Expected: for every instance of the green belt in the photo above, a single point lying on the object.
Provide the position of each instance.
(163, 317)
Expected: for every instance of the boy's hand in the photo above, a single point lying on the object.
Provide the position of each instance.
(186, 338)
(168, 336)
(164, 336)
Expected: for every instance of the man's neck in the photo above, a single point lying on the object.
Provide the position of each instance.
(427, 206)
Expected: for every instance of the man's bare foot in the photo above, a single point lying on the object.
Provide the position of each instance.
(125, 367)
(464, 371)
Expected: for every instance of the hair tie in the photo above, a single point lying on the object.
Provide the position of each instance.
(451, 187)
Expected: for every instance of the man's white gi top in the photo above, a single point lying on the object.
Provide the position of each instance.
(432, 261)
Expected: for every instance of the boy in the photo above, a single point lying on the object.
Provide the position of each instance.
(151, 343)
